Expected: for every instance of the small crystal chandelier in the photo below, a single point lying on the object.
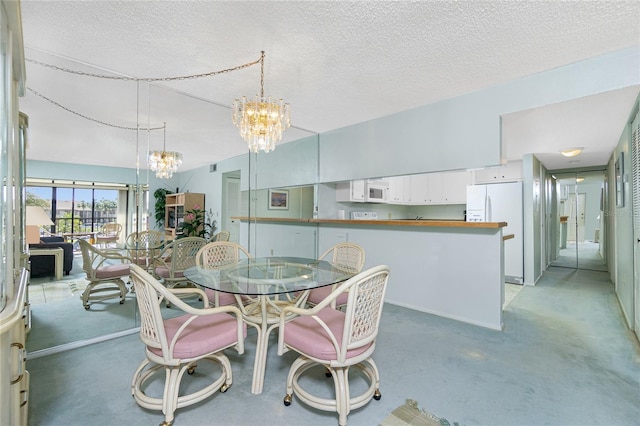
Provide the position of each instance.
(164, 162)
(261, 121)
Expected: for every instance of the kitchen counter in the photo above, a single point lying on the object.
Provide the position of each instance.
(447, 223)
(450, 268)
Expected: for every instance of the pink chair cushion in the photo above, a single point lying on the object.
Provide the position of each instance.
(113, 271)
(306, 336)
(317, 295)
(163, 272)
(226, 299)
(206, 334)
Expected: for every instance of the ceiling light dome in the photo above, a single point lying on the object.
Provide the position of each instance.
(572, 152)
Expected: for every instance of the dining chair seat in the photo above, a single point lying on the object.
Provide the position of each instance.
(304, 334)
(112, 271)
(205, 334)
(223, 299)
(165, 272)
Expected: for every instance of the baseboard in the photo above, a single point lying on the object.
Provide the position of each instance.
(80, 343)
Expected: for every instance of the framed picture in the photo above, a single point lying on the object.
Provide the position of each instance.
(619, 168)
(278, 199)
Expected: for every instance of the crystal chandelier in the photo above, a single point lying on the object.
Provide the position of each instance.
(164, 162)
(261, 121)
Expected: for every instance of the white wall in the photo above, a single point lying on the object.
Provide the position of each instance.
(621, 258)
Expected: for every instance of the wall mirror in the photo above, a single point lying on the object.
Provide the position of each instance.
(580, 215)
(59, 319)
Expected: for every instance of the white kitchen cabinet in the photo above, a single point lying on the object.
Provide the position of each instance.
(448, 187)
(399, 190)
(454, 187)
(419, 193)
(510, 172)
(350, 191)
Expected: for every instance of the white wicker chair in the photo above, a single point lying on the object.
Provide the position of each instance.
(110, 233)
(348, 257)
(337, 340)
(221, 236)
(105, 276)
(144, 246)
(175, 346)
(174, 258)
(217, 255)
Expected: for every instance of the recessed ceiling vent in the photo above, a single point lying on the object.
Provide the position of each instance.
(213, 167)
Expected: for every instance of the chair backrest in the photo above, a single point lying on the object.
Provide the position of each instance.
(152, 332)
(88, 256)
(348, 257)
(111, 229)
(218, 254)
(150, 238)
(183, 253)
(221, 236)
(364, 307)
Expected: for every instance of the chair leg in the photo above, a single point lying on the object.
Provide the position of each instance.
(341, 382)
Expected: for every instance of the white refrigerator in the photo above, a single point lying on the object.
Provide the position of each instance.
(501, 202)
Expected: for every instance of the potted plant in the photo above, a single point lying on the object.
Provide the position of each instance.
(198, 223)
(160, 195)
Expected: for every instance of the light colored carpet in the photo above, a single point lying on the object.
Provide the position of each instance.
(409, 414)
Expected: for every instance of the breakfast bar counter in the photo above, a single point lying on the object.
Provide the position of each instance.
(449, 268)
(447, 223)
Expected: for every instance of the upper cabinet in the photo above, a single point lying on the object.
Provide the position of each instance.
(510, 172)
(353, 191)
(399, 190)
(421, 189)
(448, 187)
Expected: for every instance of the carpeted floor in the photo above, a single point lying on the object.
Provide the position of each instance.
(565, 357)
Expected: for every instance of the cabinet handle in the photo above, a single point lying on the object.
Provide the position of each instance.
(20, 347)
(19, 379)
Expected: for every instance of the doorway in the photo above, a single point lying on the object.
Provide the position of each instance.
(231, 205)
(579, 241)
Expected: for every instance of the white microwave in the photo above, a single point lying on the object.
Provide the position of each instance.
(376, 192)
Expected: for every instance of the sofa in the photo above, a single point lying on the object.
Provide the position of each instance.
(45, 265)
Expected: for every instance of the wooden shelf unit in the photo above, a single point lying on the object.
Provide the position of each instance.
(175, 207)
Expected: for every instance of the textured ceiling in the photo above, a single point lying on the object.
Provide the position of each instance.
(336, 63)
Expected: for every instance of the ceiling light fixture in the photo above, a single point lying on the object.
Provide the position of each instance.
(164, 163)
(579, 179)
(571, 152)
(261, 121)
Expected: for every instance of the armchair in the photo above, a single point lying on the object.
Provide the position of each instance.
(175, 257)
(104, 275)
(217, 255)
(337, 340)
(110, 233)
(178, 345)
(348, 257)
(144, 246)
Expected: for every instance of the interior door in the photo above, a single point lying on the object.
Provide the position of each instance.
(232, 208)
(576, 205)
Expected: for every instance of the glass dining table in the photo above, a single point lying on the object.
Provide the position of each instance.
(263, 287)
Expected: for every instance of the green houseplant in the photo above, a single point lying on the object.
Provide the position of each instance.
(198, 223)
(160, 195)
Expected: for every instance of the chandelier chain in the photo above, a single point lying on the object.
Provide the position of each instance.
(262, 75)
(148, 79)
(87, 117)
